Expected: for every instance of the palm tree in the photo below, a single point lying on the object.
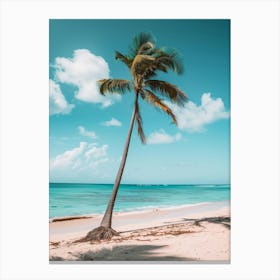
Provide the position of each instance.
(144, 62)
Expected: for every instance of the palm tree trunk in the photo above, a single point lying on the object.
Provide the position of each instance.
(107, 218)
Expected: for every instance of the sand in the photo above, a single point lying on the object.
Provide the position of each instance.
(191, 234)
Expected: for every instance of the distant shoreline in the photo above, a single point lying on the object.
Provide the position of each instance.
(194, 206)
(139, 184)
(88, 199)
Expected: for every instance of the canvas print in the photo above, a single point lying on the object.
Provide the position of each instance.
(139, 133)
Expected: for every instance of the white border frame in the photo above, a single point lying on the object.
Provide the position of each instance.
(254, 143)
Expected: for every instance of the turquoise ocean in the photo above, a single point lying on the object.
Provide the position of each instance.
(74, 199)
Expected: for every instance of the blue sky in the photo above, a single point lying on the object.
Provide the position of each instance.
(88, 131)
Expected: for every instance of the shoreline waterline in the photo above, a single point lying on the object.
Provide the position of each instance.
(80, 199)
(193, 208)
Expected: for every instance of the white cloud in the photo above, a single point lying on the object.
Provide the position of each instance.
(96, 163)
(58, 103)
(69, 158)
(113, 122)
(86, 156)
(83, 71)
(96, 152)
(84, 132)
(193, 118)
(161, 137)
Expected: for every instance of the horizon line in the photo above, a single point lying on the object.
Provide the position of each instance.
(179, 184)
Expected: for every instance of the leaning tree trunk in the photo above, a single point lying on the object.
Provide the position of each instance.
(107, 218)
(105, 231)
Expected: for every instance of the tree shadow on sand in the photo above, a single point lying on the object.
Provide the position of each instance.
(125, 253)
(225, 221)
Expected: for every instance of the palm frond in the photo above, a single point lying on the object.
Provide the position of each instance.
(163, 60)
(139, 123)
(146, 48)
(127, 60)
(113, 86)
(140, 64)
(151, 98)
(140, 43)
(171, 91)
(169, 58)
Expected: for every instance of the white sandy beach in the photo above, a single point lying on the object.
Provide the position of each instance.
(186, 233)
